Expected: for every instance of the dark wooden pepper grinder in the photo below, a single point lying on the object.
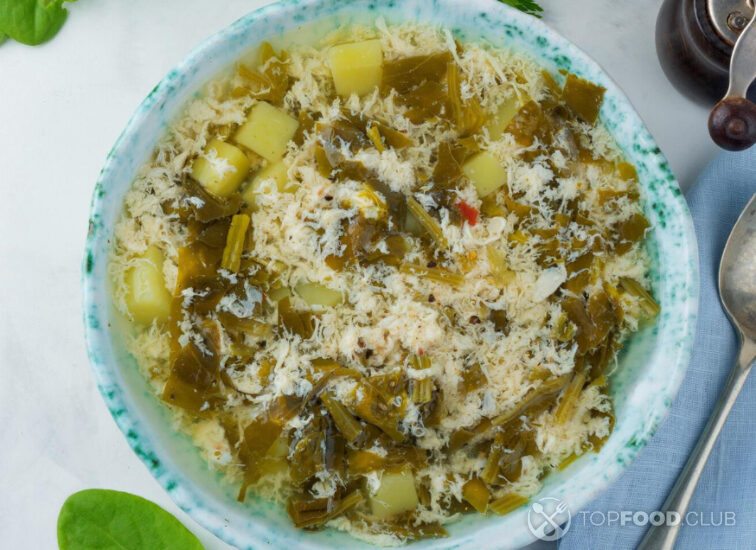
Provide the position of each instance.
(707, 48)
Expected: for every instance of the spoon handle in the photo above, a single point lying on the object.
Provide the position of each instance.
(663, 537)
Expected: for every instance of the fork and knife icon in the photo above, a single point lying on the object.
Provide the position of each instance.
(549, 521)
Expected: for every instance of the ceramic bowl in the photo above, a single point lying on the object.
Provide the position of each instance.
(651, 365)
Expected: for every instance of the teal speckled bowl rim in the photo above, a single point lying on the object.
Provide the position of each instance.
(644, 397)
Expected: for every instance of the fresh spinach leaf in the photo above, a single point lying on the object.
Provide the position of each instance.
(112, 520)
(32, 21)
(528, 6)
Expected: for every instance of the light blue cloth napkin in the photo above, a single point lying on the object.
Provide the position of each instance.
(729, 482)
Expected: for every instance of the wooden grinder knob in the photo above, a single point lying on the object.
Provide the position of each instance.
(732, 123)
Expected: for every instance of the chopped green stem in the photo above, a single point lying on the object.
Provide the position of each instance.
(507, 503)
(428, 222)
(237, 234)
(650, 306)
(548, 389)
(349, 427)
(422, 390)
(437, 274)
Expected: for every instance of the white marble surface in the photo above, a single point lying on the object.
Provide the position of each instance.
(62, 106)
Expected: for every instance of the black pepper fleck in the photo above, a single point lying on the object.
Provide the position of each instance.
(475, 320)
(328, 198)
(431, 298)
(432, 264)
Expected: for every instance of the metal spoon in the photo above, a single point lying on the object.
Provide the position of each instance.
(737, 290)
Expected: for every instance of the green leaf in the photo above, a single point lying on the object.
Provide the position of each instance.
(100, 519)
(32, 21)
(528, 6)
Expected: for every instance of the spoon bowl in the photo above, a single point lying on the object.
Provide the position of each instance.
(737, 273)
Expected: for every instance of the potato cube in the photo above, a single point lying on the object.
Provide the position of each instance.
(221, 168)
(395, 495)
(357, 68)
(267, 131)
(504, 115)
(147, 299)
(278, 172)
(485, 172)
(318, 295)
